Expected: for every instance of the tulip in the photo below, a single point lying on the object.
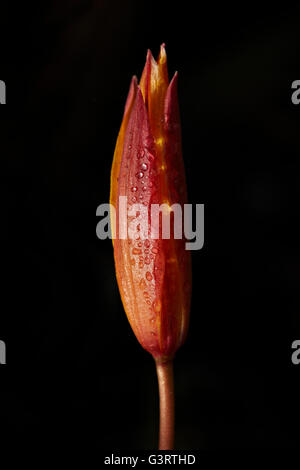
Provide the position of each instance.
(153, 274)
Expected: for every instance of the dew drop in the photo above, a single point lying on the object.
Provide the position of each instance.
(156, 305)
(144, 166)
(147, 260)
(133, 199)
(136, 251)
(154, 250)
(149, 276)
(134, 189)
(144, 188)
(139, 244)
(147, 243)
(146, 251)
(140, 174)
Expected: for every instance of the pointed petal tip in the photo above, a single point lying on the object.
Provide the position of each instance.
(171, 95)
(131, 94)
(149, 56)
(133, 84)
(174, 80)
(162, 56)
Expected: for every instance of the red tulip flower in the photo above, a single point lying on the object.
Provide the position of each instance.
(153, 273)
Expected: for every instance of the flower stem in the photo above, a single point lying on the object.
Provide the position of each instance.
(166, 404)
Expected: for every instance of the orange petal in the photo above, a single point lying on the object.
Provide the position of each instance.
(119, 148)
(136, 280)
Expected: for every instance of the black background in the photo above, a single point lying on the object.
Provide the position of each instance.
(75, 372)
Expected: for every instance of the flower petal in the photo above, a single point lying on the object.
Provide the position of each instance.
(119, 148)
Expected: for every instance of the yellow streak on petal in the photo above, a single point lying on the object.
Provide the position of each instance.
(144, 81)
(119, 151)
(156, 96)
(159, 141)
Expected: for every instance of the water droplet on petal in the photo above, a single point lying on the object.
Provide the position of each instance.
(149, 276)
(134, 189)
(144, 166)
(154, 250)
(136, 251)
(147, 260)
(156, 305)
(147, 243)
(140, 174)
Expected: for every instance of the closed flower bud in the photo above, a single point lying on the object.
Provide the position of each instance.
(153, 272)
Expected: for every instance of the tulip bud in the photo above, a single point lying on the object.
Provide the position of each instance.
(153, 274)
